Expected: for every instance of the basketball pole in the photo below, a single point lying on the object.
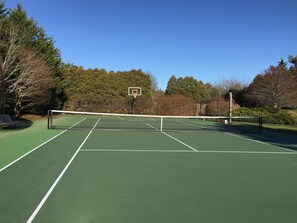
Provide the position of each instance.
(133, 104)
(134, 91)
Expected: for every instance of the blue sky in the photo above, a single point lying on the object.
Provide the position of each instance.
(209, 40)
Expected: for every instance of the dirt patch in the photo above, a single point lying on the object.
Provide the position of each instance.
(32, 117)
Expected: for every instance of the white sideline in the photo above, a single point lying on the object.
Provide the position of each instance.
(265, 143)
(35, 212)
(247, 152)
(8, 165)
(21, 157)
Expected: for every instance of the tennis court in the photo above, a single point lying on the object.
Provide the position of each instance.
(124, 169)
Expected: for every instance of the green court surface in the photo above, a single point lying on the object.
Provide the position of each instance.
(109, 174)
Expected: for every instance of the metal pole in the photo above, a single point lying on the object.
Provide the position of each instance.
(230, 107)
(133, 105)
(260, 125)
(49, 119)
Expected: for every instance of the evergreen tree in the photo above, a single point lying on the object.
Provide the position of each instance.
(98, 90)
(21, 34)
(171, 86)
(188, 86)
(293, 68)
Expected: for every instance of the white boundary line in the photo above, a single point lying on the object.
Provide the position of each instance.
(8, 165)
(180, 142)
(187, 151)
(190, 147)
(274, 140)
(35, 212)
(247, 152)
(21, 157)
(265, 143)
(153, 127)
(138, 150)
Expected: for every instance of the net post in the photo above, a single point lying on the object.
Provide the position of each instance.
(260, 124)
(49, 119)
(161, 124)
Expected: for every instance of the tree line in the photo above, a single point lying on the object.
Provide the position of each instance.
(31, 69)
(101, 91)
(33, 78)
(272, 90)
(275, 87)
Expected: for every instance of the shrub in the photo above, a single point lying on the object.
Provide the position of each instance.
(271, 116)
(175, 105)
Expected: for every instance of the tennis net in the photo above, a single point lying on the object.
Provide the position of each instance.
(58, 119)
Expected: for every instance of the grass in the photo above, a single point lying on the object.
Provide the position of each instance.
(288, 129)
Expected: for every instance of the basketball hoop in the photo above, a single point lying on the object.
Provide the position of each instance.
(134, 91)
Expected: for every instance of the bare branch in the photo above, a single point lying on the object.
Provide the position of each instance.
(273, 88)
(33, 84)
(15, 40)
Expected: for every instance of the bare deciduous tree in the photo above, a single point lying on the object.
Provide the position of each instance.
(275, 87)
(11, 61)
(175, 105)
(33, 84)
(225, 85)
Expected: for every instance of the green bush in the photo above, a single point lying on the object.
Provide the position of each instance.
(271, 116)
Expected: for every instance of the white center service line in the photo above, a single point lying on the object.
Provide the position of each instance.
(35, 212)
(173, 138)
(180, 142)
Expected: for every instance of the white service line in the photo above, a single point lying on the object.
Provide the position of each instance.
(188, 151)
(21, 157)
(138, 150)
(35, 212)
